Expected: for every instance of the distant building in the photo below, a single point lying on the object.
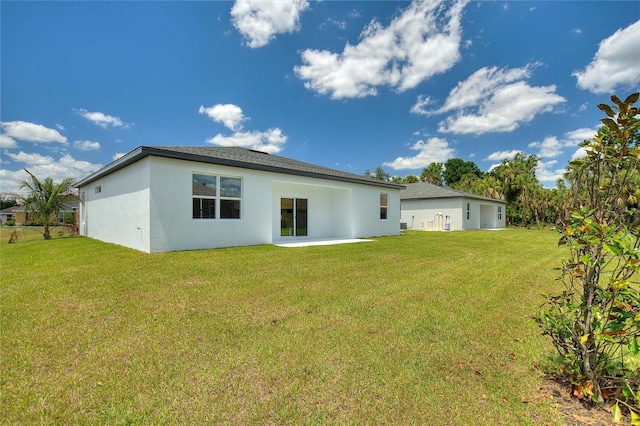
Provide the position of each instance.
(20, 216)
(429, 207)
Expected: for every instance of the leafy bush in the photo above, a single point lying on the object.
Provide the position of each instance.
(37, 223)
(595, 322)
(68, 218)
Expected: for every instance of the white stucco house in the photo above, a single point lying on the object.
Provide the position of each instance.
(161, 198)
(429, 207)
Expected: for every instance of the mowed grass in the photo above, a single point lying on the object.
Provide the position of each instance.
(422, 328)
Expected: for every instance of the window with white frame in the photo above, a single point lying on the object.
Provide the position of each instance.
(216, 197)
(468, 211)
(204, 189)
(230, 197)
(98, 189)
(383, 206)
(499, 212)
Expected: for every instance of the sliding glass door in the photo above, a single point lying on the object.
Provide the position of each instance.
(293, 217)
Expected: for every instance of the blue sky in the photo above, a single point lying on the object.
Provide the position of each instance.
(350, 85)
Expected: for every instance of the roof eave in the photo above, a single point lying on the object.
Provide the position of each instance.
(125, 160)
(471, 196)
(144, 151)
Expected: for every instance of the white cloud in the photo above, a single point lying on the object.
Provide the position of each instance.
(118, 155)
(481, 85)
(333, 22)
(421, 103)
(229, 115)
(29, 132)
(29, 159)
(502, 155)
(7, 142)
(579, 135)
(101, 119)
(434, 150)
(550, 147)
(421, 42)
(496, 105)
(616, 64)
(260, 21)
(43, 166)
(87, 145)
(547, 174)
(271, 141)
(580, 153)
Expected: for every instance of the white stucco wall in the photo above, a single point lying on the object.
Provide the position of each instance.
(337, 209)
(319, 207)
(366, 212)
(120, 212)
(423, 214)
(173, 226)
(148, 206)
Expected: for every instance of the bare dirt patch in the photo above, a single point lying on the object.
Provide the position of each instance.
(575, 411)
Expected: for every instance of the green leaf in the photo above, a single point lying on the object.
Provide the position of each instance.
(632, 98)
(616, 414)
(610, 124)
(633, 346)
(576, 215)
(618, 285)
(593, 227)
(635, 418)
(586, 258)
(614, 249)
(592, 239)
(616, 100)
(626, 391)
(607, 110)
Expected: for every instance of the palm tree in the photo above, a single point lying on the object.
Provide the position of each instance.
(432, 174)
(44, 199)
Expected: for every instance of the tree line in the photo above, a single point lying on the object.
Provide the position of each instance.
(514, 180)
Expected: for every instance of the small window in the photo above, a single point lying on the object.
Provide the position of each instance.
(468, 211)
(98, 189)
(383, 206)
(499, 212)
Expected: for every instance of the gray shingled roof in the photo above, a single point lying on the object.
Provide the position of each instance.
(426, 190)
(235, 157)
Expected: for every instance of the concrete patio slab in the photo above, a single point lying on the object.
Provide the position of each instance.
(321, 242)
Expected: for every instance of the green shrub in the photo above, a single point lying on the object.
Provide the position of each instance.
(595, 322)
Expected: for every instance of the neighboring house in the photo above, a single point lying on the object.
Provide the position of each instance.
(20, 216)
(429, 207)
(11, 213)
(157, 199)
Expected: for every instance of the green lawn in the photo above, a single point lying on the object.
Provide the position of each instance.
(423, 328)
